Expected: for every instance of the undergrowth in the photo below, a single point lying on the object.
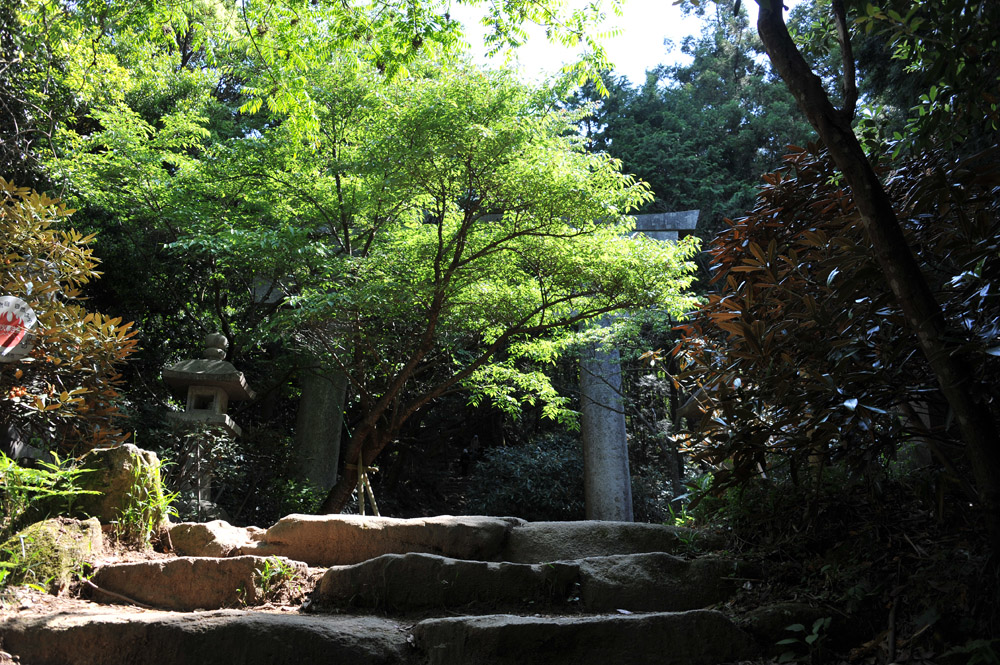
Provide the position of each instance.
(901, 566)
(30, 494)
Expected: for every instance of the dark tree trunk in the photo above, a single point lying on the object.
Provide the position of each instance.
(923, 314)
(366, 440)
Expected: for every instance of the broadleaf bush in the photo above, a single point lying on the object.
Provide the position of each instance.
(539, 480)
(802, 354)
(65, 390)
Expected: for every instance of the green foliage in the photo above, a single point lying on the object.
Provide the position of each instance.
(267, 56)
(948, 49)
(803, 351)
(252, 478)
(809, 643)
(272, 578)
(541, 480)
(64, 391)
(146, 508)
(28, 494)
(293, 496)
(22, 563)
(701, 134)
(193, 450)
(653, 493)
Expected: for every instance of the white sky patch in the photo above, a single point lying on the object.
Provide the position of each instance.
(638, 46)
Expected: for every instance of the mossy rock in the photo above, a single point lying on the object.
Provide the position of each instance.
(130, 491)
(47, 553)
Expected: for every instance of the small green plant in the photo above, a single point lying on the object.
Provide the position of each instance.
(272, 577)
(146, 508)
(808, 644)
(680, 516)
(48, 554)
(21, 565)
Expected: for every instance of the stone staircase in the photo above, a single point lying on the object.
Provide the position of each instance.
(443, 590)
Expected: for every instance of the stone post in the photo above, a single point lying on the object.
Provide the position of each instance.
(318, 425)
(606, 480)
(607, 484)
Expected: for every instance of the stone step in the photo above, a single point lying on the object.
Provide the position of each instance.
(335, 540)
(418, 582)
(104, 636)
(116, 636)
(201, 583)
(532, 542)
(697, 637)
(635, 582)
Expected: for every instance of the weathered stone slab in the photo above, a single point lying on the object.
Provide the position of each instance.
(535, 542)
(105, 636)
(216, 538)
(654, 582)
(406, 582)
(191, 583)
(698, 637)
(335, 540)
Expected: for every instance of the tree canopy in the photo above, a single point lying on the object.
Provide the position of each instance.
(424, 226)
(701, 134)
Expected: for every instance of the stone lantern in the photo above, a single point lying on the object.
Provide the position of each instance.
(209, 384)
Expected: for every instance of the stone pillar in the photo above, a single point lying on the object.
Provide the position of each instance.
(318, 424)
(606, 481)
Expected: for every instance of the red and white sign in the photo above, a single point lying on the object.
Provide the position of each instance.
(16, 320)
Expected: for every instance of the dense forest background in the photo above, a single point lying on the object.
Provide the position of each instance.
(416, 248)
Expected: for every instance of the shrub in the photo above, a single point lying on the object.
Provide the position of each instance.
(652, 493)
(541, 480)
(65, 389)
(803, 352)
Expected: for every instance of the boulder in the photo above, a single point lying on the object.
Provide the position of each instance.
(192, 583)
(217, 538)
(654, 581)
(128, 483)
(111, 636)
(407, 582)
(50, 551)
(334, 540)
(698, 637)
(536, 542)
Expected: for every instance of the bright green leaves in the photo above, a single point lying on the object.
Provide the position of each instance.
(946, 49)
(288, 45)
(497, 233)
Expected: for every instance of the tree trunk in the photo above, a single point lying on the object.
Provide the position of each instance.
(923, 314)
(365, 439)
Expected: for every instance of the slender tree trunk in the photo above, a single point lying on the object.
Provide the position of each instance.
(366, 442)
(923, 314)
